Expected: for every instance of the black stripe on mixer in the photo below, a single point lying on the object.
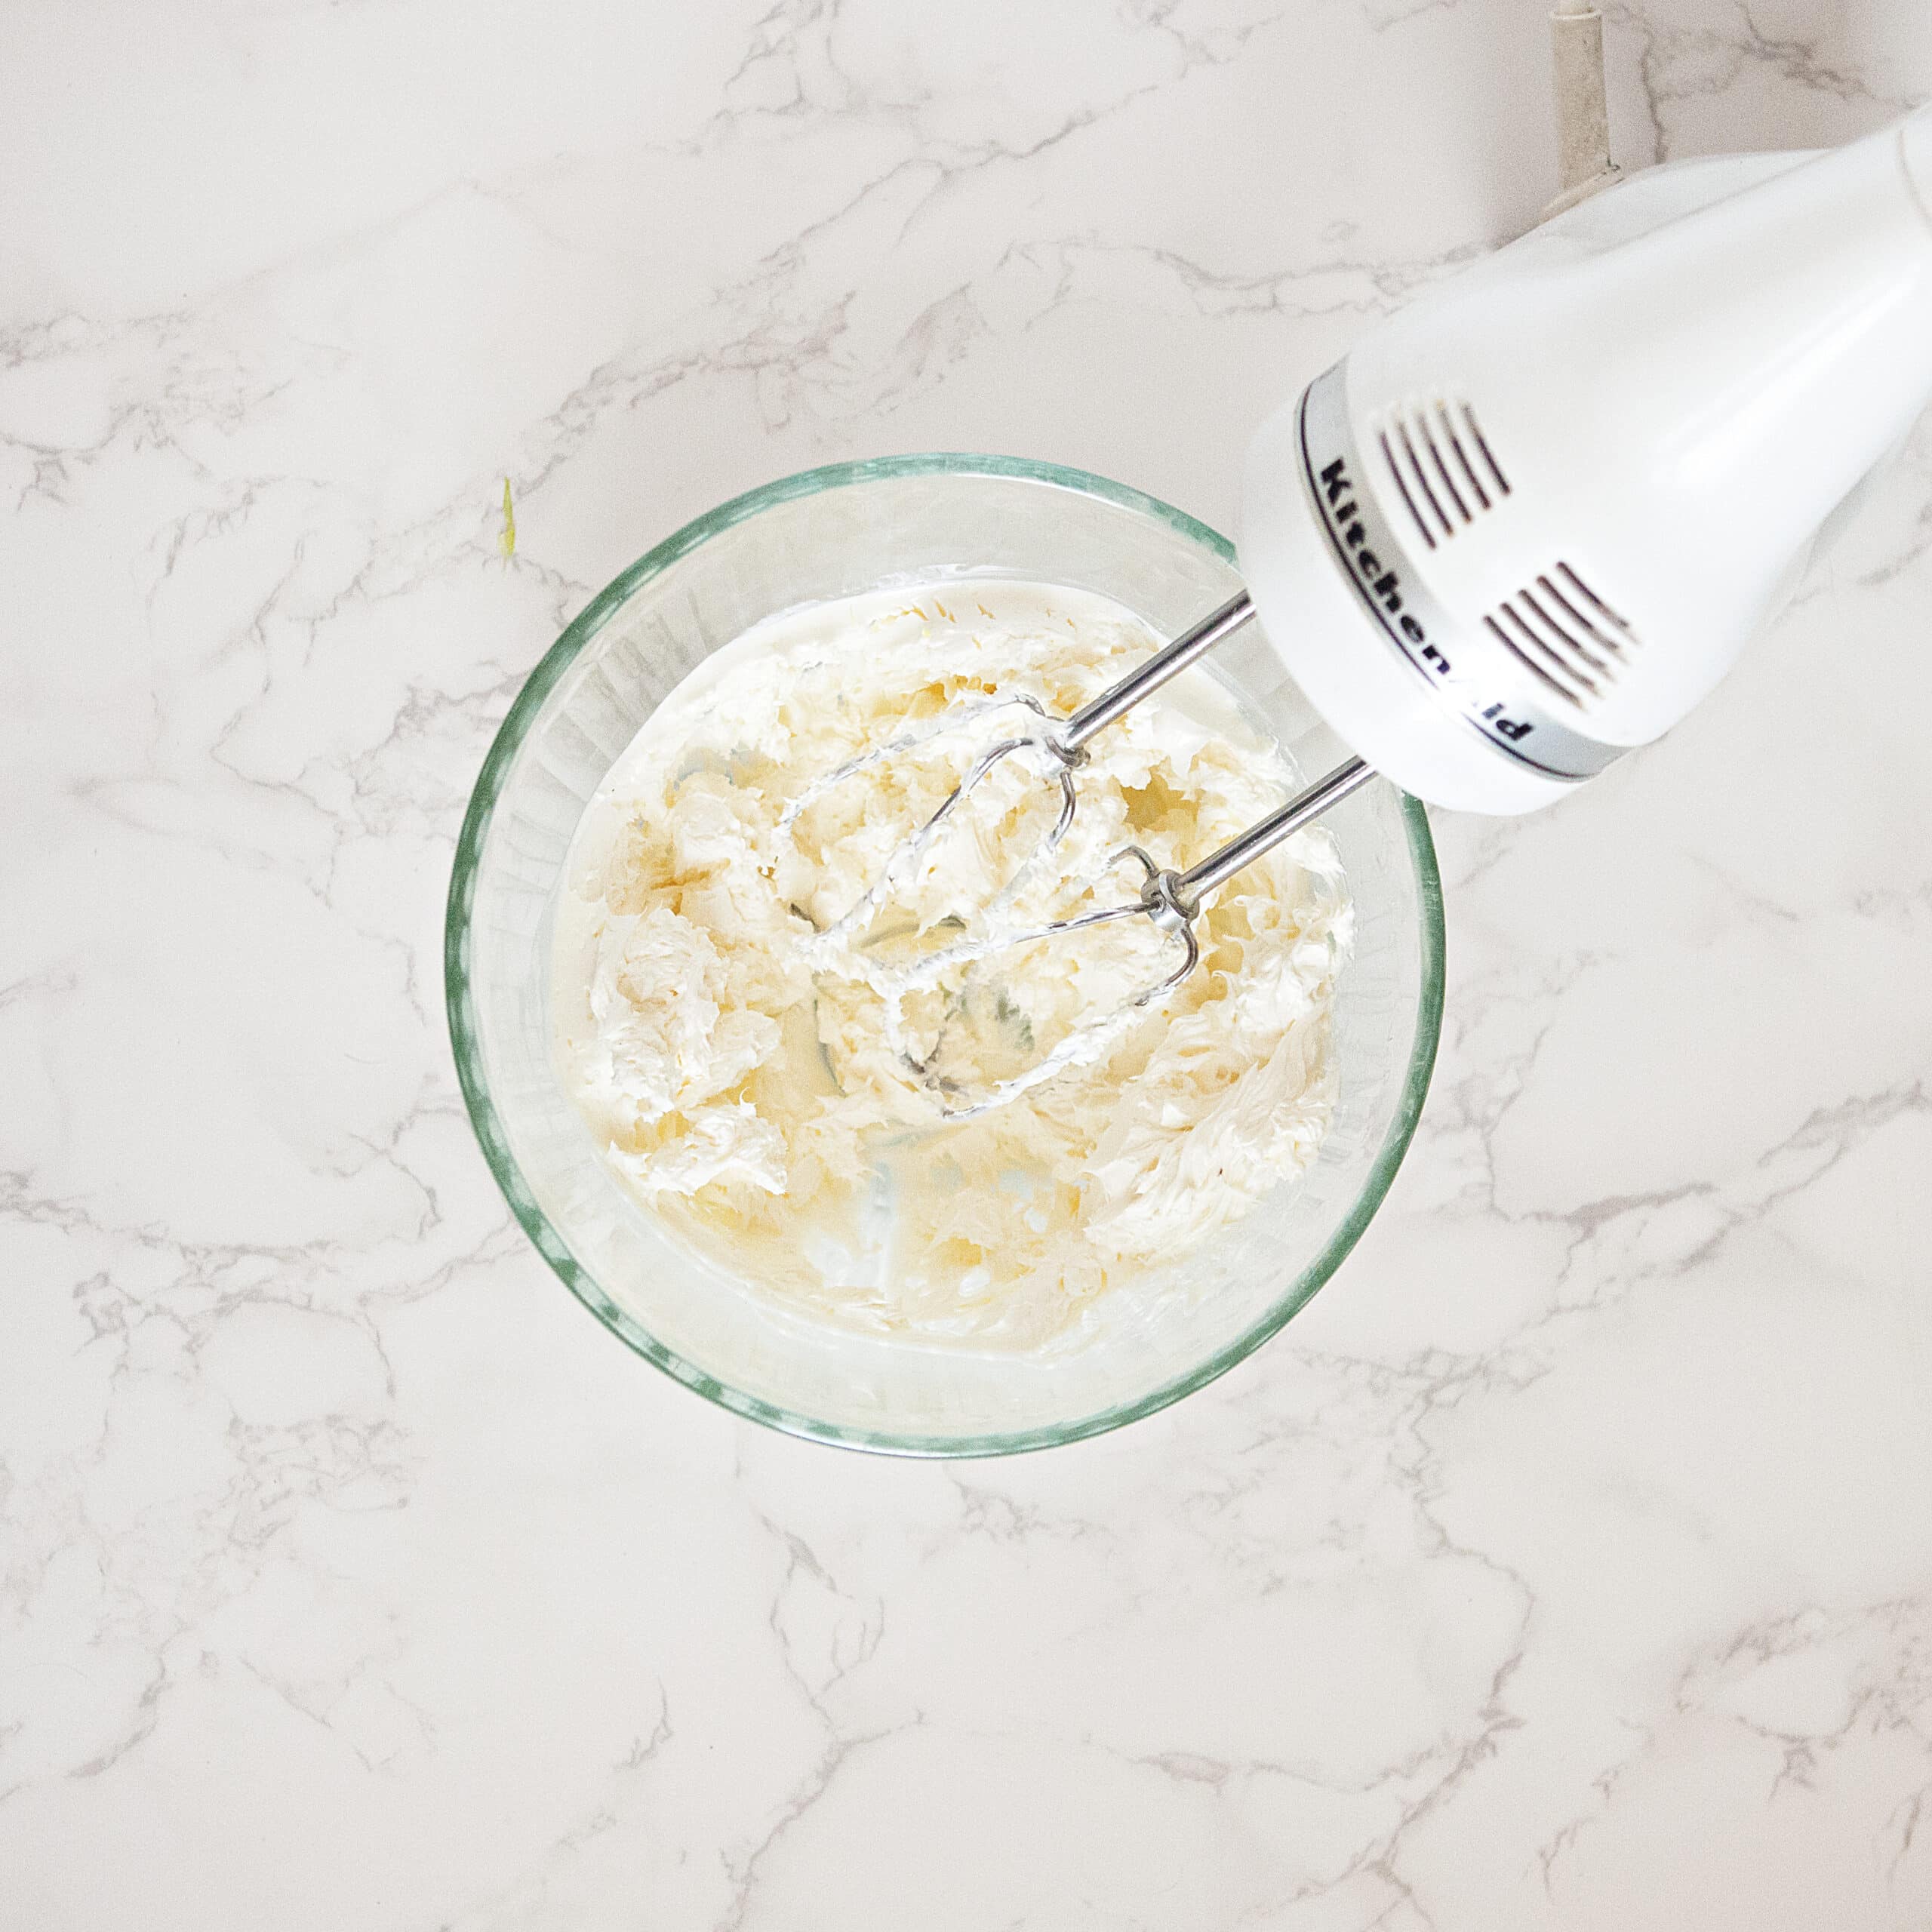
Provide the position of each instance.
(1442, 465)
(1559, 628)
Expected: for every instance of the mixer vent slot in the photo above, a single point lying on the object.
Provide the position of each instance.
(1442, 464)
(1560, 629)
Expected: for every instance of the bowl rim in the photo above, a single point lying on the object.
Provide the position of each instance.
(466, 1043)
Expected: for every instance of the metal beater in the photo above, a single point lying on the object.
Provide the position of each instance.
(1172, 900)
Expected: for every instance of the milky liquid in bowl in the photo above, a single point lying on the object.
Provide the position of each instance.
(772, 1095)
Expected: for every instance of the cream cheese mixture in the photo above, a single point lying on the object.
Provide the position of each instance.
(772, 1089)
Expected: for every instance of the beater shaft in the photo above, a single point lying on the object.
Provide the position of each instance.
(1167, 662)
(1192, 886)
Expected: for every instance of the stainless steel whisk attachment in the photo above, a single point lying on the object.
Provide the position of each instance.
(1172, 900)
(1060, 743)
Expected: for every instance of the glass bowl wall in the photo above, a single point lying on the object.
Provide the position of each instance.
(832, 532)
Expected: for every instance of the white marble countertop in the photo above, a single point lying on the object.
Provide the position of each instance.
(1569, 1563)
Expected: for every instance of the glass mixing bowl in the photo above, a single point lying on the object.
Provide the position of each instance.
(829, 533)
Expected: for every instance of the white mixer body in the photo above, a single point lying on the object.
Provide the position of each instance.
(1530, 521)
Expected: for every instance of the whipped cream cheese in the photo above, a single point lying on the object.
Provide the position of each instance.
(771, 1090)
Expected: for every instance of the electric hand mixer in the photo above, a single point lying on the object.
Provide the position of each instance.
(1526, 524)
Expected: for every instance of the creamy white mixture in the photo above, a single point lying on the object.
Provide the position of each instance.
(776, 1096)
